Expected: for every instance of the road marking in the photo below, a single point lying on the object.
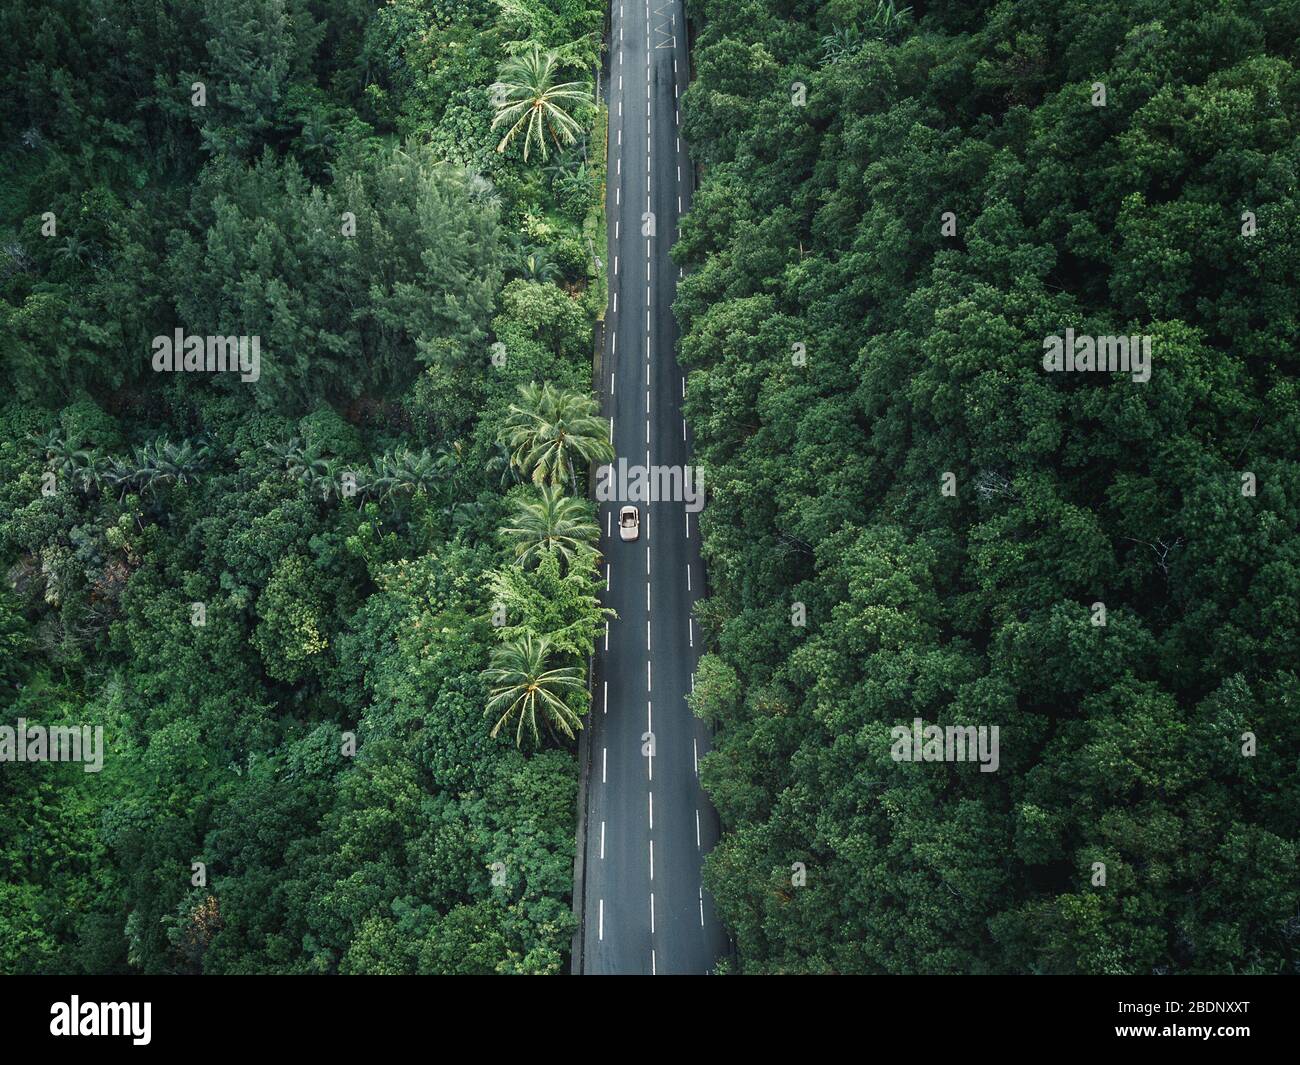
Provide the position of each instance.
(609, 518)
(616, 312)
(615, 265)
(600, 934)
(683, 388)
(602, 838)
(647, 665)
(647, 635)
(697, 831)
(688, 580)
(683, 428)
(701, 907)
(695, 746)
(688, 577)
(652, 961)
(652, 861)
(652, 922)
(652, 810)
(688, 525)
(607, 636)
(690, 628)
(647, 550)
(604, 762)
(605, 700)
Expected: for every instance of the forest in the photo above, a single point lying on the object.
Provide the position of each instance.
(332, 615)
(898, 207)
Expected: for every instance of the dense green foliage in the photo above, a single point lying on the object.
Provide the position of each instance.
(1121, 744)
(278, 597)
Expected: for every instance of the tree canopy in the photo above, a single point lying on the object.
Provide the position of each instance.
(894, 214)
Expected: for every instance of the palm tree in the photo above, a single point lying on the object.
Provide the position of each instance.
(498, 465)
(416, 471)
(523, 688)
(63, 456)
(548, 427)
(144, 471)
(535, 265)
(464, 515)
(291, 458)
(118, 474)
(554, 524)
(73, 249)
(528, 101)
(176, 463)
(326, 479)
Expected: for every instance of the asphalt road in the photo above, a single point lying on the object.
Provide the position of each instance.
(649, 824)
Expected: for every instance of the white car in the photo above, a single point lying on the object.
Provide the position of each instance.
(629, 523)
